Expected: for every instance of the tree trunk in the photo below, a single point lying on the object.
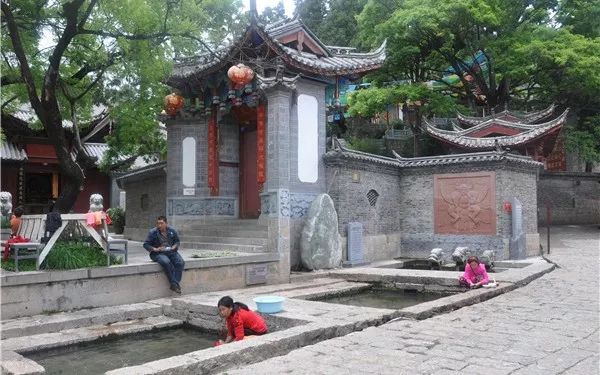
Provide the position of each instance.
(72, 174)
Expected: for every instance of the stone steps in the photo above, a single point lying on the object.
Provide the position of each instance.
(241, 248)
(40, 324)
(226, 240)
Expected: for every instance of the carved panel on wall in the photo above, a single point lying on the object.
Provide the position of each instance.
(225, 206)
(465, 203)
(300, 204)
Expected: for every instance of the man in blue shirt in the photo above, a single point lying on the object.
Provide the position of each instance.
(162, 243)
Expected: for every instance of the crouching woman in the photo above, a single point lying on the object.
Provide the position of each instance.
(475, 274)
(240, 321)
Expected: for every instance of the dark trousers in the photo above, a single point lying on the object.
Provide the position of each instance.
(172, 263)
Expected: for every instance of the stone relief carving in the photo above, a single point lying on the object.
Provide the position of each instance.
(465, 203)
(299, 204)
(284, 202)
(202, 207)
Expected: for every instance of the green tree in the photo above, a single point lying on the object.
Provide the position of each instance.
(311, 12)
(63, 57)
(273, 14)
(534, 53)
(428, 37)
(340, 28)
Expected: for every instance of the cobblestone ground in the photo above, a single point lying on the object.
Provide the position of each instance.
(550, 326)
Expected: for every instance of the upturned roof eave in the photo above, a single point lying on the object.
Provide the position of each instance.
(224, 55)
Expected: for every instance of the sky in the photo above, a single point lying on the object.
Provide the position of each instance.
(262, 4)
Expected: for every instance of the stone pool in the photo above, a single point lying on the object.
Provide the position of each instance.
(394, 299)
(114, 352)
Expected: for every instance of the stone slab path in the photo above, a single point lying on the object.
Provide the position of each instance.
(550, 326)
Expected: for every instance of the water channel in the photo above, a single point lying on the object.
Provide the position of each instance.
(107, 354)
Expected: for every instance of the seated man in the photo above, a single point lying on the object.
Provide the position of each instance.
(162, 243)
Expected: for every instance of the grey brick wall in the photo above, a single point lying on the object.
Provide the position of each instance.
(145, 201)
(574, 198)
(417, 216)
(177, 131)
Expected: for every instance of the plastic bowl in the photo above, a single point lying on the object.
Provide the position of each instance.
(269, 304)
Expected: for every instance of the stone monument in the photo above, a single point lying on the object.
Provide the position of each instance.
(355, 245)
(517, 248)
(320, 241)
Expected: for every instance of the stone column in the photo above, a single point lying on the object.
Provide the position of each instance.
(275, 199)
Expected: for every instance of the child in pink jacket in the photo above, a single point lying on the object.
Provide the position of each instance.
(475, 274)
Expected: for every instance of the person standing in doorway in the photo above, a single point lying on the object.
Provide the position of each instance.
(163, 244)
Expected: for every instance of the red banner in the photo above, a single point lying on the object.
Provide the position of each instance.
(213, 154)
(261, 174)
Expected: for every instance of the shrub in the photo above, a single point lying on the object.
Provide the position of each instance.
(372, 146)
(66, 256)
(4, 222)
(73, 255)
(24, 265)
(117, 215)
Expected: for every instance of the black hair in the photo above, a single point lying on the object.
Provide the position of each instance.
(228, 302)
(162, 217)
(50, 207)
(19, 211)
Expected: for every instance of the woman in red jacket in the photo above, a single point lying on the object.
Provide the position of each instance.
(240, 320)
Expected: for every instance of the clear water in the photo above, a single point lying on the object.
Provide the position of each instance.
(108, 354)
(384, 298)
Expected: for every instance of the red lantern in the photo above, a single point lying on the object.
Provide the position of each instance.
(240, 75)
(173, 103)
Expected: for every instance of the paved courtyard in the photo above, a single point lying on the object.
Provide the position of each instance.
(547, 327)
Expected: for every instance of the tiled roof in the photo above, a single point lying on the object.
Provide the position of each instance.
(531, 132)
(473, 157)
(96, 150)
(527, 118)
(338, 60)
(426, 161)
(10, 151)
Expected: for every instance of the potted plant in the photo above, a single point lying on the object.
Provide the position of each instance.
(117, 215)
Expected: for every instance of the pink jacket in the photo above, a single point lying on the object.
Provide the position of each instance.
(479, 275)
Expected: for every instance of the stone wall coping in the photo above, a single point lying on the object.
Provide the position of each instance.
(570, 175)
(41, 277)
(148, 171)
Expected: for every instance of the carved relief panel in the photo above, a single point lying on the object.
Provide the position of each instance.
(465, 203)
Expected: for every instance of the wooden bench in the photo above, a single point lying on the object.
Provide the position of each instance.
(34, 228)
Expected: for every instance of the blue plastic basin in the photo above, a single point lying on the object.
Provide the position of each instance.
(269, 304)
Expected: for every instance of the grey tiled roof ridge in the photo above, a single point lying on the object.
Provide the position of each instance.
(481, 125)
(145, 169)
(332, 64)
(421, 161)
(530, 117)
(458, 139)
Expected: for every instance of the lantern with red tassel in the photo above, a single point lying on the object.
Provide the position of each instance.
(173, 103)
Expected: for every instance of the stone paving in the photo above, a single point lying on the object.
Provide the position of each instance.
(550, 326)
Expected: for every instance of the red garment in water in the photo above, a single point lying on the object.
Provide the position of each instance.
(16, 239)
(237, 321)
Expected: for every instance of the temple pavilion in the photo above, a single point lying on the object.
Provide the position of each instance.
(534, 134)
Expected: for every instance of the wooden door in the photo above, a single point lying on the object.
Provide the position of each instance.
(249, 192)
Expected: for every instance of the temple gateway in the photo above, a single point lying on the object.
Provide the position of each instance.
(248, 155)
